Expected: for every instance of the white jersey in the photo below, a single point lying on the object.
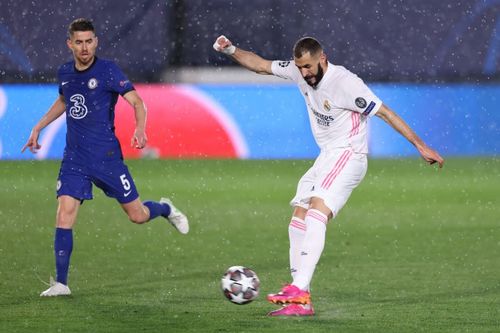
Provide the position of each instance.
(338, 107)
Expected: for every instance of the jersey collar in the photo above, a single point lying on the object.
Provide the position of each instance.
(86, 69)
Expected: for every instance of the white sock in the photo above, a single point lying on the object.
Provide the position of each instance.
(312, 247)
(296, 233)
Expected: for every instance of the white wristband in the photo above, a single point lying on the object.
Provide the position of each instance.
(229, 50)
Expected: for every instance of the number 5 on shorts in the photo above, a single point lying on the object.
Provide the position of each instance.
(125, 182)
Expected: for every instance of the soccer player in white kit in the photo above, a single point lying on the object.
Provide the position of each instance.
(339, 104)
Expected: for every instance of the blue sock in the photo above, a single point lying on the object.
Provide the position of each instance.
(63, 246)
(156, 209)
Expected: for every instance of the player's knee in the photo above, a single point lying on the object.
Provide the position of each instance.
(137, 218)
(319, 204)
(65, 219)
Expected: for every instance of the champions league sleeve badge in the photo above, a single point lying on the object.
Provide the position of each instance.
(360, 102)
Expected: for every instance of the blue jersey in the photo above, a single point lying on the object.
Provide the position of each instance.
(90, 97)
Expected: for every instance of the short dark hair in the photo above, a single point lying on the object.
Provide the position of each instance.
(80, 24)
(306, 44)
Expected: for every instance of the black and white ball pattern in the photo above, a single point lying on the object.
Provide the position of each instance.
(240, 285)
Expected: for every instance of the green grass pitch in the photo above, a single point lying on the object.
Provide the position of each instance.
(416, 249)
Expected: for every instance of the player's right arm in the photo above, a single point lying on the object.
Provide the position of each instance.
(245, 58)
(396, 122)
(57, 109)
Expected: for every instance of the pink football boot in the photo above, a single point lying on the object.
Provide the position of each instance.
(293, 310)
(290, 294)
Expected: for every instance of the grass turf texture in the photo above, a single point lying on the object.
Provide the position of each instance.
(415, 249)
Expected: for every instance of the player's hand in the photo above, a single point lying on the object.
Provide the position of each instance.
(431, 156)
(139, 139)
(224, 45)
(32, 142)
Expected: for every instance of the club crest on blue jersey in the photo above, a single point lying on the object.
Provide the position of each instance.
(92, 84)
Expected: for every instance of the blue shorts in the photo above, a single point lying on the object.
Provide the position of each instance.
(112, 177)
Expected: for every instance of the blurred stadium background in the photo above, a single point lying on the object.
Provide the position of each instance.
(434, 62)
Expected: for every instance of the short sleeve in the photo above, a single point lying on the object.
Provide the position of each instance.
(285, 70)
(358, 97)
(118, 82)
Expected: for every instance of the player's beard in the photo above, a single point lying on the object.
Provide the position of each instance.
(86, 59)
(317, 77)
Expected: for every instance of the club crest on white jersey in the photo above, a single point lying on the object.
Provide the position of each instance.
(327, 105)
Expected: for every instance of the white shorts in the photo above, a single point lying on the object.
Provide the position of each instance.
(333, 177)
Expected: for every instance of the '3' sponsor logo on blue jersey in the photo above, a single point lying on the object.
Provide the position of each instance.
(78, 110)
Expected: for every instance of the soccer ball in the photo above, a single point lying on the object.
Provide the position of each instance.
(240, 285)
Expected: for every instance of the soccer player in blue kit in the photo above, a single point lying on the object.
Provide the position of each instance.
(88, 91)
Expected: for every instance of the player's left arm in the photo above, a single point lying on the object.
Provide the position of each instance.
(139, 139)
(396, 122)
